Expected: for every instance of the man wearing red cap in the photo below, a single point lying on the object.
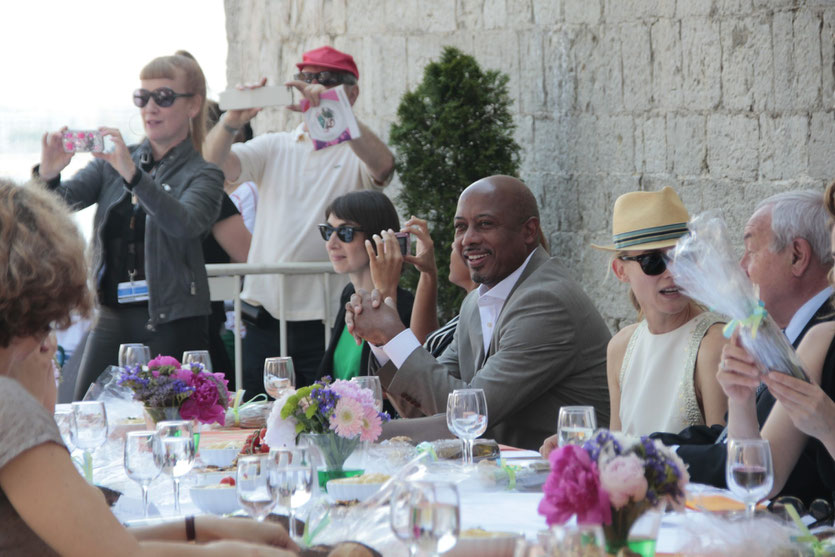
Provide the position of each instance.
(295, 184)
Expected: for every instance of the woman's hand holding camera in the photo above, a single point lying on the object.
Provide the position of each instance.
(53, 157)
(119, 157)
(386, 263)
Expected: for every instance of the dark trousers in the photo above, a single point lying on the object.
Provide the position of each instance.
(116, 326)
(305, 344)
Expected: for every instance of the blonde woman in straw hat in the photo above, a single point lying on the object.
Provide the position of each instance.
(661, 370)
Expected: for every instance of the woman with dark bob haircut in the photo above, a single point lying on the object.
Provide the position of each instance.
(46, 506)
(353, 221)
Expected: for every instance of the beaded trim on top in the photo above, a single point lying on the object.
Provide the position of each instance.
(647, 235)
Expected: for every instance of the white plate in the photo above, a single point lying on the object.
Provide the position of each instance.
(218, 457)
(215, 500)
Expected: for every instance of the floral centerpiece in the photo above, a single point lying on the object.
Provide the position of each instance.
(612, 480)
(334, 416)
(167, 388)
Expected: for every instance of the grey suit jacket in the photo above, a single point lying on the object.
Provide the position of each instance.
(548, 350)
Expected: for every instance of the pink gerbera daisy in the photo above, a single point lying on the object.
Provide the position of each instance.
(372, 425)
(347, 418)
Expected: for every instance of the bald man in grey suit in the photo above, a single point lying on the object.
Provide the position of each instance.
(528, 336)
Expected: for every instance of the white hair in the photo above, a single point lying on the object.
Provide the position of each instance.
(799, 214)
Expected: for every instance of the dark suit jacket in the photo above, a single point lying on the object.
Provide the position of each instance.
(405, 300)
(706, 458)
(548, 350)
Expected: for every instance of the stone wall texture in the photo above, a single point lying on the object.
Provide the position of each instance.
(727, 101)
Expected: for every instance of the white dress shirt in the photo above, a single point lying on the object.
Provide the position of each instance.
(803, 315)
(490, 303)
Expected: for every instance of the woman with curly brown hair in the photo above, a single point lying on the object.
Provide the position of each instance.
(46, 507)
(804, 412)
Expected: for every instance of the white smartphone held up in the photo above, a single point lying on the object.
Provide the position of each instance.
(239, 99)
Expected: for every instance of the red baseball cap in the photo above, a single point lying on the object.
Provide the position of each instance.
(329, 57)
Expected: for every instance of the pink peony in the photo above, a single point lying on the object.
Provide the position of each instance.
(347, 418)
(162, 361)
(372, 425)
(573, 487)
(623, 479)
(204, 404)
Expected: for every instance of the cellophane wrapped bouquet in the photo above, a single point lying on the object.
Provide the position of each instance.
(704, 266)
(612, 480)
(165, 383)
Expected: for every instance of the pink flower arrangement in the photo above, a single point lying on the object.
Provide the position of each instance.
(200, 395)
(611, 480)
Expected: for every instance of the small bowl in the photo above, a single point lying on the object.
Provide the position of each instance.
(352, 491)
(492, 544)
(214, 499)
(219, 457)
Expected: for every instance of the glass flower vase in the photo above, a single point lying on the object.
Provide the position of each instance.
(634, 527)
(335, 450)
(155, 414)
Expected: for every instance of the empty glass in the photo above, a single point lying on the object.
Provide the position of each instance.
(134, 354)
(198, 357)
(292, 471)
(466, 416)
(426, 516)
(176, 451)
(143, 461)
(65, 420)
(371, 382)
(575, 425)
(573, 540)
(749, 472)
(279, 375)
(89, 431)
(256, 492)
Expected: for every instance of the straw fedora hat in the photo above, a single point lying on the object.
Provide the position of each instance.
(646, 220)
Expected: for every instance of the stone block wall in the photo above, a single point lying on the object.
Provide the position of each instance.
(728, 101)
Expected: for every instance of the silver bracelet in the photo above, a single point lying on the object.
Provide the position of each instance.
(230, 129)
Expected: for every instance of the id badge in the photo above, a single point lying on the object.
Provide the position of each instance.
(133, 291)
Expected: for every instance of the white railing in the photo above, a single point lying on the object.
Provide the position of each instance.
(225, 284)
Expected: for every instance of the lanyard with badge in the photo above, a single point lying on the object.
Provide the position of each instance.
(133, 290)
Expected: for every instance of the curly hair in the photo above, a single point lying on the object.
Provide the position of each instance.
(43, 273)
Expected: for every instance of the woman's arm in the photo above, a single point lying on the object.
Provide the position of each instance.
(615, 352)
(72, 516)
(233, 237)
(709, 393)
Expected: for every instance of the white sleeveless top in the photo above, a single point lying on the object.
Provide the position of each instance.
(657, 391)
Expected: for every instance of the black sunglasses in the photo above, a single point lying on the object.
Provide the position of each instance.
(164, 96)
(652, 263)
(343, 232)
(819, 509)
(326, 78)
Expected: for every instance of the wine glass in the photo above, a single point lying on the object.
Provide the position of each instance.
(256, 493)
(749, 472)
(291, 474)
(466, 415)
(279, 375)
(65, 420)
(371, 382)
(575, 425)
(198, 357)
(89, 430)
(176, 451)
(426, 516)
(143, 461)
(134, 354)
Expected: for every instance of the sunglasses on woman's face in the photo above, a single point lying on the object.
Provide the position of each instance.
(344, 232)
(326, 78)
(164, 96)
(652, 263)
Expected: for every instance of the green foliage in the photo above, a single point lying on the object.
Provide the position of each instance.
(453, 129)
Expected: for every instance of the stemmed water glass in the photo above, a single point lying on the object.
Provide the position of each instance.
(291, 473)
(279, 375)
(371, 382)
(134, 354)
(575, 425)
(143, 461)
(198, 357)
(65, 420)
(89, 430)
(749, 472)
(426, 516)
(256, 492)
(176, 450)
(466, 417)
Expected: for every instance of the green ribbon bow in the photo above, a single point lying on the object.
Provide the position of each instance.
(753, 321)
(237, 406)
(510, 470)
(428, 448)
(806, 536)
